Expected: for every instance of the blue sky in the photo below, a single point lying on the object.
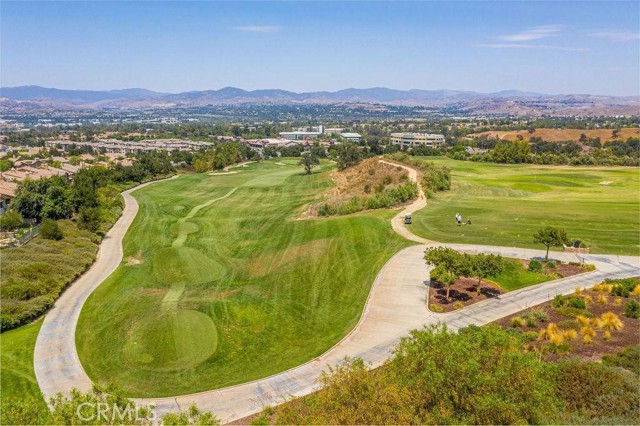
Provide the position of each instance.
(549, 47)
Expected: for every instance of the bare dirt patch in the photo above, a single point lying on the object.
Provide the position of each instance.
(463, 292)
(136, 259)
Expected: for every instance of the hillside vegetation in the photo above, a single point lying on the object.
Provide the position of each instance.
(561, 135)
(480, 375)
(369, 184)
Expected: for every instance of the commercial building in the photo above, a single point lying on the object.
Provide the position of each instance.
(409, 140)
(351, 137)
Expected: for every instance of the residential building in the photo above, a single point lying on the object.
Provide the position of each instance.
(409, 140)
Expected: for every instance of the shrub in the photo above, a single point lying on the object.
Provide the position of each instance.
(367, 188)
(628, 358)
(517, 322)
(89, 218)
(551, 264)
(606, 335)
(583, 320)
(571, 301)
(577, 291)
(596, 322)
(632, 309)
(10, 220)
(570, 334)
(50, 230)
(603, 299)
(617, 301)
(636, 290)
(535, 266)
(327, 210)
(436, 308)
(458, 305)
(603, 287)
(387, 179)
(622, 287)
(611, 322)
(588, 331)
(595, 390)
(573, 312)
(530, 336)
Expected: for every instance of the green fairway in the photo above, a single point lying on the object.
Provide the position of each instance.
(221, 283)
(508, 203)
(17, 378)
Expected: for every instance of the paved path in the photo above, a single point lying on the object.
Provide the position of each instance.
(56, 361)
(396, 304)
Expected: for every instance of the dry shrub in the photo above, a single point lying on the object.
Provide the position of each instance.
(602, 299)
(636, 290)
(617, 301)
(577, 291)
(518, 322)
(588, 332)
(603, 287)
(587, 340)
(570, 335)
(611, 322)
(584, 321)
(587, 298)
(596, 322)
(606, 335)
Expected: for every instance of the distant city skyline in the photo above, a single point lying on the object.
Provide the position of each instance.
(547, 47)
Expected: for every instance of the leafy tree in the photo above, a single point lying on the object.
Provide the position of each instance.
(10, 220)
(89, 218)
(485, 265)
(348, 154)
(5, 165)
(550, 237)
(448, 265)
(309, 161)
(50, 230)
(57, 204)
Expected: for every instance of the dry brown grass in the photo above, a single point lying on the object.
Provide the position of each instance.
(561, 135)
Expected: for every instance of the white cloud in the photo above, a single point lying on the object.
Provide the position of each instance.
(617, 35)
(534, 33)
(259, 28)
(532, 46)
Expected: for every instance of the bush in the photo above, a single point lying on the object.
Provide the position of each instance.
(50, 230)
(571, 301)
(517, 322)
(572, 312)
(10, 220)
(327, 210)
(458, 305)
(628, 358)
(632, 309)
(89, 219)
(535, 266)
(436, 308)
(594, 390)
(622, 287)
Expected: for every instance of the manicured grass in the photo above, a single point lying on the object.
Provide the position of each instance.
(508, 203)
(515, 276)
(17, 378)
(212, 294)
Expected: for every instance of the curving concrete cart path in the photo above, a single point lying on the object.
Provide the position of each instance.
(397, 303)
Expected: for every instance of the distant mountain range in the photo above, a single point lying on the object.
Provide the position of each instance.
(508, 102)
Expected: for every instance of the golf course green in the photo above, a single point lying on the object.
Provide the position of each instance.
(222, 283)
(600, 206)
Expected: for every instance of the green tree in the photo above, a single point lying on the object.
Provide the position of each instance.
(348, 154)
(448, 265)
(485, 265)
(5, 165)
(50, 230)
(10, 220)
(89, 218)
(309, 161)
(550, 237)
